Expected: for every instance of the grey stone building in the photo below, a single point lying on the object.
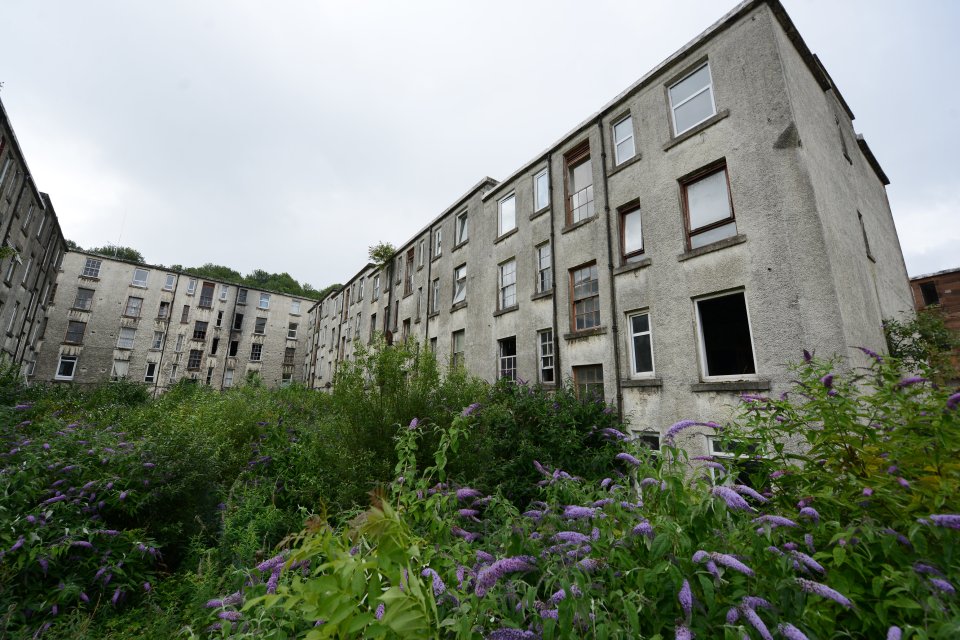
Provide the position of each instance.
(679, 247)
(32, 237)
(113, 319)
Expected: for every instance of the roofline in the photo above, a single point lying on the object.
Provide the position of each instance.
(872, 159)
(935, 274)
(23, 157)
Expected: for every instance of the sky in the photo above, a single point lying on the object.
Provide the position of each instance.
(251, 134)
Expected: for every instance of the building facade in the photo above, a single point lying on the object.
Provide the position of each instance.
(112, 319)
(940, 290)
(33, 247)
(679, 247)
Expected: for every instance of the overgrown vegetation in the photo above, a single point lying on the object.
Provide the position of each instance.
(410, 504)
(925, 341)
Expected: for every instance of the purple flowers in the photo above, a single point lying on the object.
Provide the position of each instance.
(912, 380)
(232, 616)
(775, 521)
(748, 491)
(948, 520)
(629, 459)
(466, 493)
(511, 634)
(790, 632)
(438, 587)
(953, 401)
(573, 537)
(685, 596)
(643, 529)
(723, 559)
(82, 544)
(471, 409)
(488, 576)
(810, 512)
(574, 512)
(894, 633)
(827, 381)
(824, 591)
(683, 425)
(732, 498)
(943, 585)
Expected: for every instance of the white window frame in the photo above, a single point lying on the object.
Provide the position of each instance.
(460, 284)
(632, 346)
(293, 326)
(91, 268)
(544, 271)
(701, 345)
(26, 271)
(376, 287)
(43, 221)
(461, 228)
(504, 362)
(73, 370)
(157, 340)
(674, 107)
(258, 327)
(264, 301)
(228, 378)
(294, 307)
(169, 282)
(140, 282)
(715, 474)
(421, 247)
(507, 283)
(191, 286)
(259, 352)
(435, 296)
(537, 205)
(501, 228)
(616, 142)
(224, 291)
(126, 337)
(150, 373)
(438, 242)
(542, 356)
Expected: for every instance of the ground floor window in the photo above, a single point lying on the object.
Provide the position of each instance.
(726, 346)
(66, 368)
(507, 358)
(588, 381)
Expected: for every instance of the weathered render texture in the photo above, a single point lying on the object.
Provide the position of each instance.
(631, 268)
(115, 319)
(31, 232)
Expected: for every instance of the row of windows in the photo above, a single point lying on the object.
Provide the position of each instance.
(67, 367)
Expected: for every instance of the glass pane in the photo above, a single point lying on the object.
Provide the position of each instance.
(642, 355)
(693, 112)
(625, 150)
(508, 215)
(713, 235)
(623, 130)
(581, 176)
(707, 200)
(632, 236)
(542, 189)
(641, 323)
(690, 85)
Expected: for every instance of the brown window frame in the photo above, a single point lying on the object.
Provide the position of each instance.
(206, 301)
(200, 330)
(572, 159)
(185, 314)
(578, 372)
(693, 178)
(139, 309)
(194, 359)
(71, 337)
(574, 300)
(623, 212)
(289, 355)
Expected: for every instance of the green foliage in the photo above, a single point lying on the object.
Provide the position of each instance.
(924, 341)
(121, 253)
(219, 272)
(381, 253)
(258, 278)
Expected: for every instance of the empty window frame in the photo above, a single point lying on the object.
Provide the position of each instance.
(623, 144)
(588, 382)
(691, 99)
(191, 286)
(241, 296)
(460, 284)
(214, 346)
(579, 184)
(708, 207)
(91, 269)
(295, 305)
(234, 348)
(741, 457)
(650, 440)
(292, 329)
(140, 277)
(507, 214)
(507, 358)
(219, 318)
(373, 326)
(461, 229)
(631, 235)
(508, 285)
(150, 375)
(164, 311)
(544, 268)
(133, 307)
(126, 337)
(260, 326)
(264, 301)
(179, 346)
(206, 295)
(75, 332)
(376, 286)
(84, 299)
(237, 321)
(584, 298)
(641, 345)
(185, 314)
(435, 296)
(726, 344)
(866, 240)
(224, 290)
(228, 378)
(930, 294)
(545, 342)
(194, 359)
(458, 343)
(405, 330)
(66, 368)
(256, 351)
(289, 354)
(408, 273)
(419, 301)
(541, 190)
(437, 242)
(200, 330)
(169, 281)
(157, 340)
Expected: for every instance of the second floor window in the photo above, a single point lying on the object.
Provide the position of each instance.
(544, 269)
(708, 208)
(623, 145)
(91, 268)
(585, 290)
(134, 305)
(579, 185)
(460, 284)
(507, 215)
(508, 284)
(84, 299)
(462, 232)
(691, 100)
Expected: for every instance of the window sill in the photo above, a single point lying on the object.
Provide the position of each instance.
(138, 286)
(537, 214)
(131, 317)
(80, 309)
(89, 278)
(433, 315)
(505, 311)
(458, 306)
(641, 383)
(506, 235)
(542, 295)
(417, 321)
(457, 246)
(577, 225)
(585, 333)
(436, 257)
(713, 246)
(623, 165)
(631, 266)
(689, 133)
(407, 295)
(731, 386)
(241, 304)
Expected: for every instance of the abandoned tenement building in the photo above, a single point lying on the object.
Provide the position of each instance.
(682, 245)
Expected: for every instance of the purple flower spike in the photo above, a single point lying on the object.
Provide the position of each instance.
(953, 401)
(733, 614)
(123, 495)
(872, 354)
(438, 587)
(790, 632)
(827, 380)
(867, 491)
(629, 459)
(810, 512)
(749, 491)
(912, 380)
(232, 616)
(466, 493)
(643, 529)
(574, 512)
(807, 356)
(824, 591)
(754, 602)
(511, 634)
(943, 585)
(732, 498)
(685, 596)
(756, 623)
(470, 410)
(16, 545)
(683, 425)
(948, 520)
(903, 482)
(146, 586)
(682, 632)
(731, 563)
(116, 596)
(775, 521)
(271, 564)
(612, 434)
(894, 633)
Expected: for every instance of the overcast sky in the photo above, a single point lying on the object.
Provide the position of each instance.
(292, 135)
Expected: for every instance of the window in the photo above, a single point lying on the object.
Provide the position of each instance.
(66, 368)
(435, 296)
(376, 287)
(295, 304)
(224, 290)
(228, 378)
(151, 373)
(194, 359)
(289, 354)
(373, 326)
(75, 332)
(457, 346)
(169, 282)
(708, 208)
(26, 271)
(843, 141)
(544, 268)
(256, 350)
(292, 329)
(185, 314)
(726, 347)
(179, 346)
(541, 190)
(579, 185)
(157, 340)
(84, 299)
(545, 338)
(421, 248)
(460, 284)
(140, 277)
(264, 301)
(863, 231)
(631, 235)
(419, 301)
(242, 296)
(260, 326)
(508, 285)
(507, 214)
(206, 295)
(125, 339)
(433, 345)
(214, 346)
(237, 321)
(209, 375)
(234, 348)
(200, 330)
(43, 221)
(286, 378)
(405, 330)
(11, 268)
(507, 357)
(91, 269)
(741, 457)
(437, 242)
(134, 305)
(650, 440)
(588, 382)
(930, 294)
(462, 231)
(585, 297)
(173, 373)
(641, 347)
(408, 279)
(691, 100)
(219, 318)
(191, 286)
(623, 147)
(120, 369)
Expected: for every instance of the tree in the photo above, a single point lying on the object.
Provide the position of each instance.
(925, 340)
(121, 253)
(381, 253)
(220, 272)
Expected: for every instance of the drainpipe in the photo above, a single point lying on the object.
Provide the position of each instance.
(613, 293)
(426, 323)
(233, 313)
(557, 377)
(166, 332)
